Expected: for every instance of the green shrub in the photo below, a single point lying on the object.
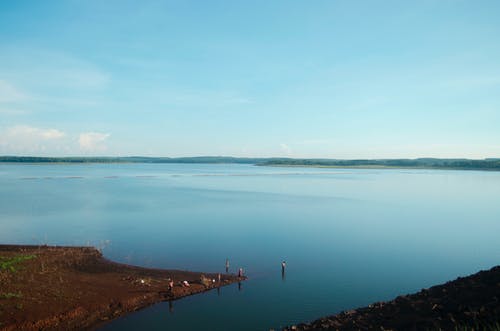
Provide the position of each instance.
(9, 263)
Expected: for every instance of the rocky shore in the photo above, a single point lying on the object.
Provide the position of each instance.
(468, 303)
(75, 288)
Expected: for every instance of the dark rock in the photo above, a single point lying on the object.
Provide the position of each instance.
(460, 304)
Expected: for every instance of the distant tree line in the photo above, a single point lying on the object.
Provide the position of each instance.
(130, 159)
(428, 163)
(38, 159)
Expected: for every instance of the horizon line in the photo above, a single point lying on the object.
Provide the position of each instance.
(242, 157)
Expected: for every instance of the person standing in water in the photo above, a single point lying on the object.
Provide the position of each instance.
(240, 272)
(171, 286)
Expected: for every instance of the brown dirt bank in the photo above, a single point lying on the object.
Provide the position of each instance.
(74, 288)
(469, 303)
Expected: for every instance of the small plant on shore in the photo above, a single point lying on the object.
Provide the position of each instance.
(10, 295)
(10, 263)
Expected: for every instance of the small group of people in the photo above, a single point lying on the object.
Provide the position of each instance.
(171, 284)
(240, 270)
(185, 283)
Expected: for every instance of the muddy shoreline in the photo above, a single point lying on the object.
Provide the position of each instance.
(75, 288)
(467, 303)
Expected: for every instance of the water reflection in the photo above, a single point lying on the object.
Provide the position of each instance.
(170, 307)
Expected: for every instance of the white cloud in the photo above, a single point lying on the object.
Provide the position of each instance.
(29, 140)
(93, 141)
(24, 139)
(29, 132)
(52, 134)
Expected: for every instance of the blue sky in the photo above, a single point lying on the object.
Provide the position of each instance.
(333, 79)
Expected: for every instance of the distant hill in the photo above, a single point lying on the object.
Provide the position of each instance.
(424, 163)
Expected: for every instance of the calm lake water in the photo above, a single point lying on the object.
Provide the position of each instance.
(349, 236)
